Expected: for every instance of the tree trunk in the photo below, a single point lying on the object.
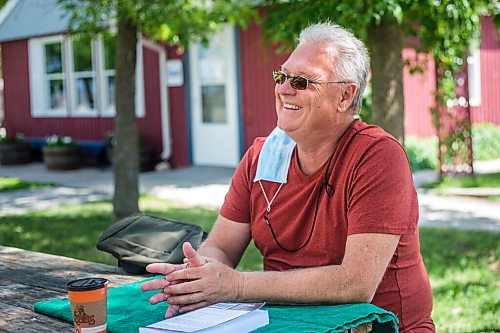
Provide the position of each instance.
(386, 45)
(126, 152)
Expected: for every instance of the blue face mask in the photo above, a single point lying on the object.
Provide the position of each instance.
(274, 158)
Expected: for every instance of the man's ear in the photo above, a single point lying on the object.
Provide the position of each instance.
(347, 97)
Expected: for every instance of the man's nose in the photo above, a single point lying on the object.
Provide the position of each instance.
(286, 89)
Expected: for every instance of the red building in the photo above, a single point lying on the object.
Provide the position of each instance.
(204, 106)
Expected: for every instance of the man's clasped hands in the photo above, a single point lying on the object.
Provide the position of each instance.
(198, 282)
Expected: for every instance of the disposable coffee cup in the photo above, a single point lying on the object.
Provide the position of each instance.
(88, 298)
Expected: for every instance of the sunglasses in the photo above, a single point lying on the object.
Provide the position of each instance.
(297, 82)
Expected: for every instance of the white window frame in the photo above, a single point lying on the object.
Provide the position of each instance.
(72, 76)
(38, 86)
(103, 75)
(39, 89)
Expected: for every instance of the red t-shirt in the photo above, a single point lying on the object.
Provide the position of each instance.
(374, 193)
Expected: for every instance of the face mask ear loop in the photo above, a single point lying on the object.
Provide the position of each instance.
(268, 209)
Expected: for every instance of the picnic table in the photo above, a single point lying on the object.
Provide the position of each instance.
(27, 277)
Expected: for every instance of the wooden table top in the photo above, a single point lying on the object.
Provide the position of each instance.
(27, 277)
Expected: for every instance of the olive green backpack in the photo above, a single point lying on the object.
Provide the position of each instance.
(142, 239)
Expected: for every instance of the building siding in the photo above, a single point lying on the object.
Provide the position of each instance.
(418, 90)
(16, 85)
(257, 85)
(489, 110)
(17, 102)
(178, 116)
(150, 126)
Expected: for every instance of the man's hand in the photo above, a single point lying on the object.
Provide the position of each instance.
(192, 260)
(204, 281)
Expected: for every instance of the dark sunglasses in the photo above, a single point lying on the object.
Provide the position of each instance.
(297, 82)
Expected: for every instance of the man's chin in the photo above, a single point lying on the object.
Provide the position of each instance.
(287, 127)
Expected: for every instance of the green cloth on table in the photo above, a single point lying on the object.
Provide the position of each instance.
(129, 309)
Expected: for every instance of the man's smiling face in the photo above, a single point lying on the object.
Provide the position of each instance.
(301, 112)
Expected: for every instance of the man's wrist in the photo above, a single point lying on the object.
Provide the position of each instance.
(240, 283)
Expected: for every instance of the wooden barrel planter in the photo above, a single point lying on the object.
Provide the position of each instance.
(61, 157)
(12, 153)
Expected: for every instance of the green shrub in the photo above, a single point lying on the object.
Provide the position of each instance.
(485, 141)
(422, 152)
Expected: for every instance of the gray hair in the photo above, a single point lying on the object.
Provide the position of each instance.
(352, 61)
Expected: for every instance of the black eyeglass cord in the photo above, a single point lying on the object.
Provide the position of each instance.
(330, 191)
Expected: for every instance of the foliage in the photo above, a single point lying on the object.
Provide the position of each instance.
(366, 105)
(421, 152)
(448, 32)
(11, 137)
(485, 141)
(463, 273)
(478, 180)
(176, 22)
(9, 184)
(59, 140)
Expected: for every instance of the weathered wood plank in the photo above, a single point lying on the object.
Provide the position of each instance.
(27, 277)
(54, 271)
(24, 296)
(16, 319)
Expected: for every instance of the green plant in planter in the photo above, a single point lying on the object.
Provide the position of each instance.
(59, 140)
(61, 153)
(14, 149)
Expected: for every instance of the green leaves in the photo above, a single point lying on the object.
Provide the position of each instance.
(174, 21)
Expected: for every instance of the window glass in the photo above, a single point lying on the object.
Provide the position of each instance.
(83, 75)
(111, 92)
(53, 58)
(57, 96)
(109, 51)
(211, 62)
(82, 54)
(214, 105)
(85, 92)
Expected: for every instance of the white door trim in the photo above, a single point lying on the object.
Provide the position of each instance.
(215, 144)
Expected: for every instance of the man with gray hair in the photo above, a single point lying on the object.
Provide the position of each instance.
(327, 199)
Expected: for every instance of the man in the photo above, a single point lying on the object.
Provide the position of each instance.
(328, 200)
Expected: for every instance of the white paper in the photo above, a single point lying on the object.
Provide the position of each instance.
(206, 317)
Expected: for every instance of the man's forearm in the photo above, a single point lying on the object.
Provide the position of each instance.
(329, 284)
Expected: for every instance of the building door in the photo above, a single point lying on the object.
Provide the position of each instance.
(214, 111)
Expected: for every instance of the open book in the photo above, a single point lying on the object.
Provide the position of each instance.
(220, 317)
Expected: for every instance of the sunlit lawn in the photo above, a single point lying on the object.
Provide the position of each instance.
(8, 184)
(479, 180)
(464, 266)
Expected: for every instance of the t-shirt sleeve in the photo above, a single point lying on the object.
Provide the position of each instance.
(236, 206)
(382, 197)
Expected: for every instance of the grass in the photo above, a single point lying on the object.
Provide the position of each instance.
(478, 180)
(463, 266)
(464, 269)
(9, 184)
(74, 229)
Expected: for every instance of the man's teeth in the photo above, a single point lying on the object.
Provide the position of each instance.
(291, 106)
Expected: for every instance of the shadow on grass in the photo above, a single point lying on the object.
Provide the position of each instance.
(463, 267)
(73, 230)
